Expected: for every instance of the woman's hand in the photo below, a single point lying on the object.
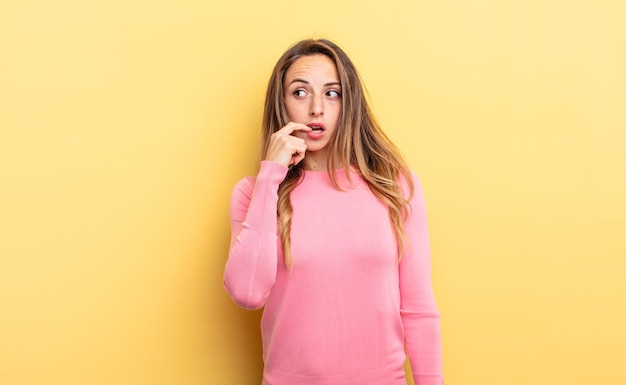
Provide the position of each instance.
(285, 148)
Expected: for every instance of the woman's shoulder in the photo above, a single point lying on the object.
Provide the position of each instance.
(245, 185)
(242, 193)
(413, 191)
(409, 181)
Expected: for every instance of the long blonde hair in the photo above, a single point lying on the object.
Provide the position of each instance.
(358, 142)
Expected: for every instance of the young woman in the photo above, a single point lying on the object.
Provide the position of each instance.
(330, 236)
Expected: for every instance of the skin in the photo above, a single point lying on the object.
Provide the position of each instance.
(312, 96)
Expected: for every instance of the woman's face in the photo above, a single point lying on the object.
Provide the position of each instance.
(313, 97)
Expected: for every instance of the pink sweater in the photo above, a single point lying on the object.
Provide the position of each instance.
(344, 312)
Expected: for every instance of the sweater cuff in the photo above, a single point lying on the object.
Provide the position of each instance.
(434, 379)
(272, 172)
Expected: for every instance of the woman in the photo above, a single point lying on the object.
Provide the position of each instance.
(331, 238)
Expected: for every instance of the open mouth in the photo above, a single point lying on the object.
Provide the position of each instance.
(316, 127)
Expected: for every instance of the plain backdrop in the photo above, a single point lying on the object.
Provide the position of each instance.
(125, 124)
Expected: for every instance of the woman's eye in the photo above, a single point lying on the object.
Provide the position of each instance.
(299, 93)
(333, 94)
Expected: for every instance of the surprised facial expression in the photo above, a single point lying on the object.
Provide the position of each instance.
(313, 97)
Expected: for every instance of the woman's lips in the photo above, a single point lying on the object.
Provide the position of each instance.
(317, 130)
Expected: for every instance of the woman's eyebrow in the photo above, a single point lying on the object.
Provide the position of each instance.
(298, 81)
(306, 82)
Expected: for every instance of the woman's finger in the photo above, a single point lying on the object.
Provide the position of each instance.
(290, 127)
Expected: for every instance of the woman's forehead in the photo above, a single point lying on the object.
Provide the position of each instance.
(318, 67)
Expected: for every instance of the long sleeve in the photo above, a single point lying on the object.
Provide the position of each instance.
(251, 268)
(420, 315)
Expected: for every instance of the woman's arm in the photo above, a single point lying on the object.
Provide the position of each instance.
(419, 311)
(252, 261)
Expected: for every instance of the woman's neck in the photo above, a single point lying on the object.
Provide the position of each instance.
(315, 161)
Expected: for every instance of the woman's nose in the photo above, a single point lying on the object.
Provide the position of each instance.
(317, 106)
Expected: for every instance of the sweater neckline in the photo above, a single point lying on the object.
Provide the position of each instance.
(340, 172)
(341, 176)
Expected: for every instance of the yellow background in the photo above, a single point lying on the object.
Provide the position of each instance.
(125, 124)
